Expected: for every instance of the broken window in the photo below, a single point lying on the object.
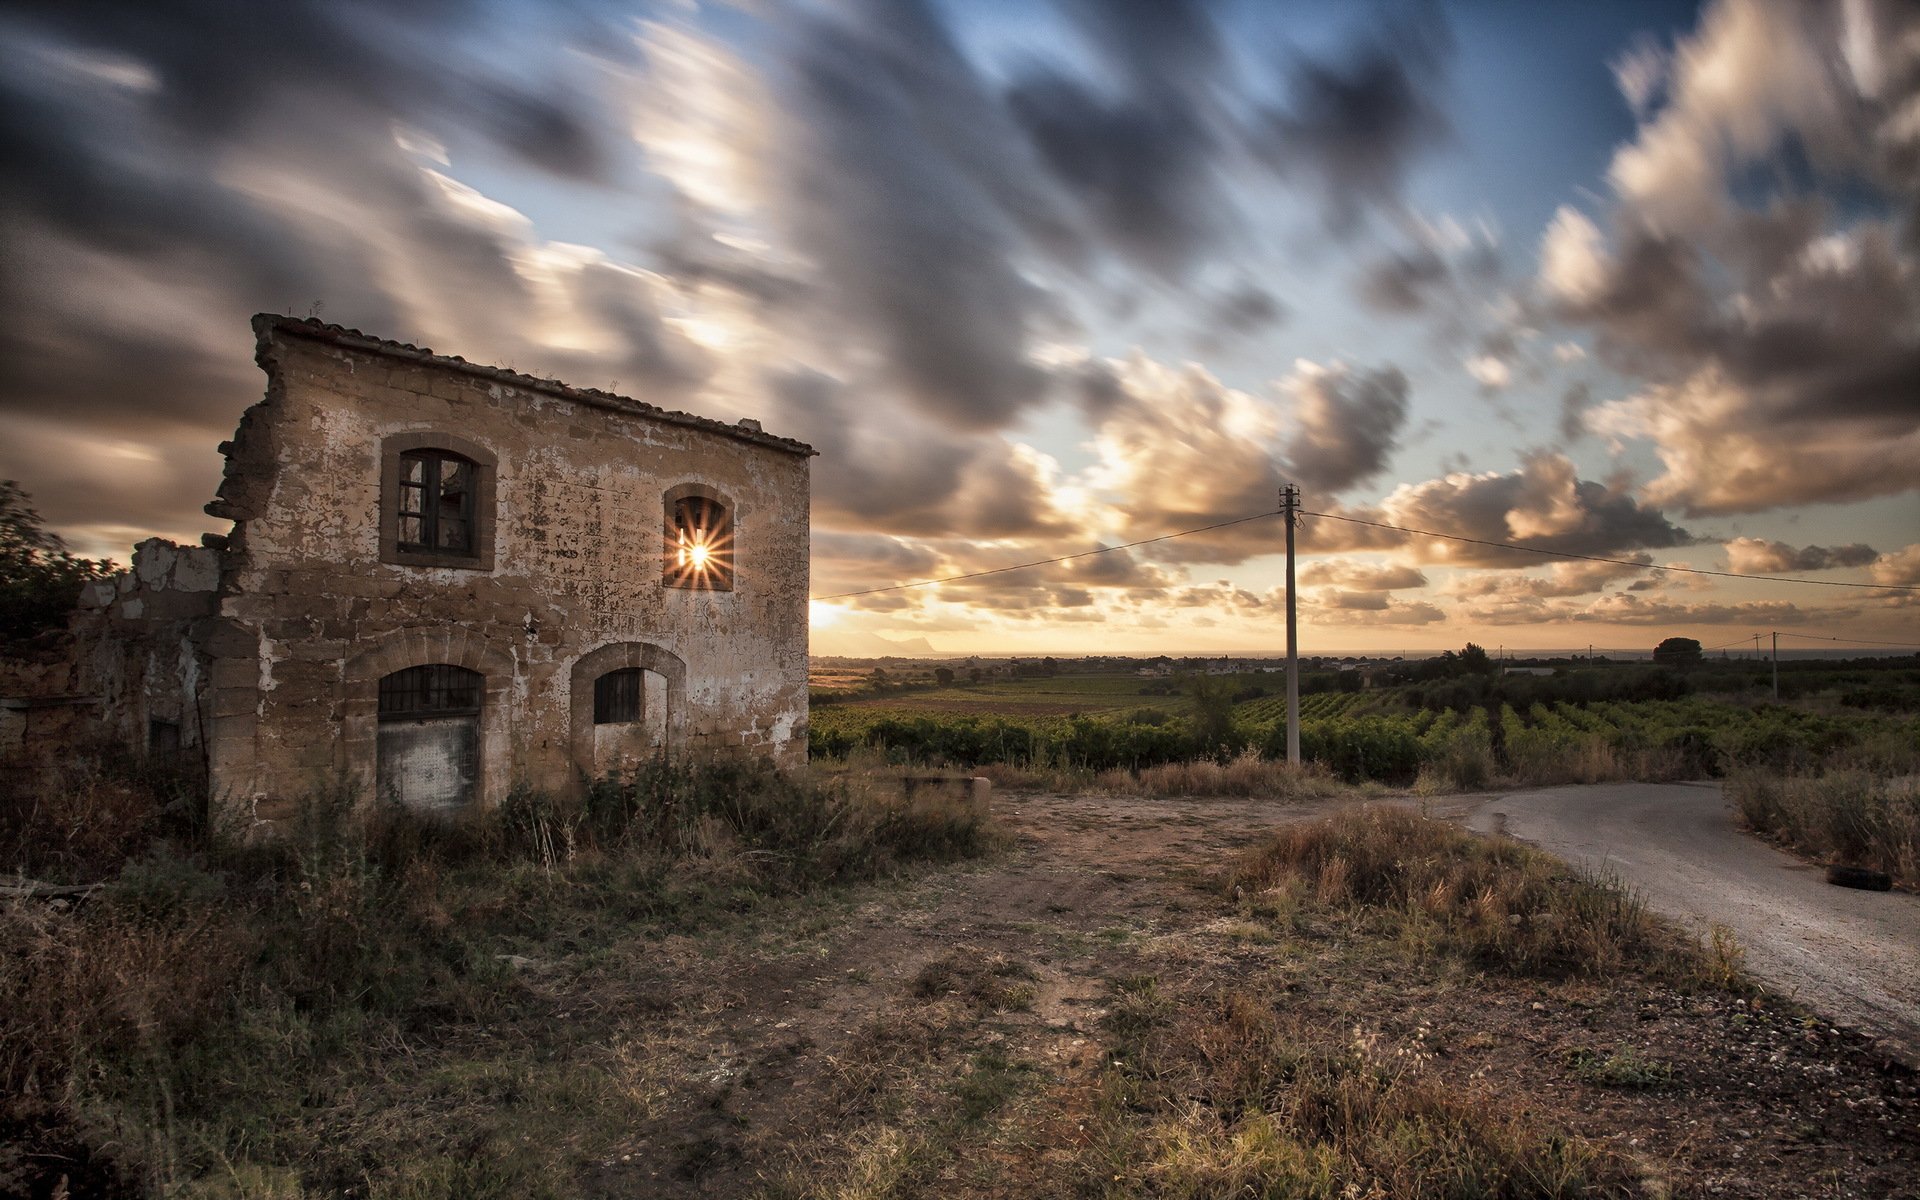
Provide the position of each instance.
(437, 492)
(617, 697)
(436, 501)
(699, 542)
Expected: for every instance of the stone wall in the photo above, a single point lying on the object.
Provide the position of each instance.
(310, 618)
(128, 672)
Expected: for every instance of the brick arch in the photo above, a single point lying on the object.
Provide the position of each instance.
(418, 647)
(618, 656)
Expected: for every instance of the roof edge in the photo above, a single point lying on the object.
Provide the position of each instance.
(311, 329)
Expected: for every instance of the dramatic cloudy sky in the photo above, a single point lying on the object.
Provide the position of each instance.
(1631, 279)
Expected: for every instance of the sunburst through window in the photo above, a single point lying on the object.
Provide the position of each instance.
(699, 544)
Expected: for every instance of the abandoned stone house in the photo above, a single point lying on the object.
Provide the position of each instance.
(445, 580)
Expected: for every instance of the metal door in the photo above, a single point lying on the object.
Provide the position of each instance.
(430, 763)
(429, 743)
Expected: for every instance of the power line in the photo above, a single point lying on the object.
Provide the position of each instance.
(1049, 561)
(1624, 562)
(1850, 641)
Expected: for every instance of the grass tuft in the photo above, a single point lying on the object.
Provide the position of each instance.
(1491, 900)
(986, 983)
(1853, 817)
(1246, 774)
(1233, 1097)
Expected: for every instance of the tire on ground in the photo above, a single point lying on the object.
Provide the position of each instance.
(1865, 878)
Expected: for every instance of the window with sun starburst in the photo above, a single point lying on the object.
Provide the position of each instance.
(699, 540)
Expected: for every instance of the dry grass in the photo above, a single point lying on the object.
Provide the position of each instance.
(986, 983)
(304, 1017)
(1239, 1090)
(1491, 900)
(1246, 775)
(1233, 1095)
(79, 822)
(1855, 817)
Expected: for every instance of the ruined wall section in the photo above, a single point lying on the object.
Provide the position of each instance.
(578, 557)
(45, 717)
(128, 672)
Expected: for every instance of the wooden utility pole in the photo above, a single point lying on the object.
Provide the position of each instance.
(1776, 666)
(1290, 510)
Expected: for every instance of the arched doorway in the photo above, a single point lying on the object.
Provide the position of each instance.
(629, 706)
(428, 749)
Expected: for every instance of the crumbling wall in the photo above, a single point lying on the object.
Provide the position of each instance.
(310, 617)
(45, 716)
(127, 672)
(140, 635)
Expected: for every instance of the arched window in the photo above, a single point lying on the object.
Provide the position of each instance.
(699, 539)
(618, 697)
(434, 690)
(436, 501)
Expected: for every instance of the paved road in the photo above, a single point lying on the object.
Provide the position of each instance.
(1851, 955)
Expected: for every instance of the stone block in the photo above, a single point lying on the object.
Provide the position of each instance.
(234, 672)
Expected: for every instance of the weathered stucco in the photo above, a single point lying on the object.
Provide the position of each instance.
(281, 632)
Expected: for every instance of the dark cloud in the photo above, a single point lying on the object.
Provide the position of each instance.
(1543, 506)
(1354, 125)
(1246, 309)
(1184, 451)
(1405, 281)
(176, 168)
(1778, 333)
(1620, 608)
(1758, 556)
(903, 476)
(1574, 402)
(1139, 155)
(1347, 424)
(1571, 578)
(1361, 577)
(847, 562)
(901, 179)
(1436, 270)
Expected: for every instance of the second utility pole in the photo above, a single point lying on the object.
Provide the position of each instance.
(1289, 508)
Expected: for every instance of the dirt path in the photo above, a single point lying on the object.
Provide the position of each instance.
(1853, 956)
(788, 1022)
(943, 1035)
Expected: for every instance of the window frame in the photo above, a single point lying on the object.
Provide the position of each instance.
(483, 463)
(721, 578)
(432, 511)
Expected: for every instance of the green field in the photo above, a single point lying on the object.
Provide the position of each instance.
(1464, 732)
(1059, 695)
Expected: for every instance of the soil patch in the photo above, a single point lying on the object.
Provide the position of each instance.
(953, 1034)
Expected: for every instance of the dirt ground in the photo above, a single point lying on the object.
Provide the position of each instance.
(942, 1035)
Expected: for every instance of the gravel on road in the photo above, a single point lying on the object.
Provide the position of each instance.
(1851, 955)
